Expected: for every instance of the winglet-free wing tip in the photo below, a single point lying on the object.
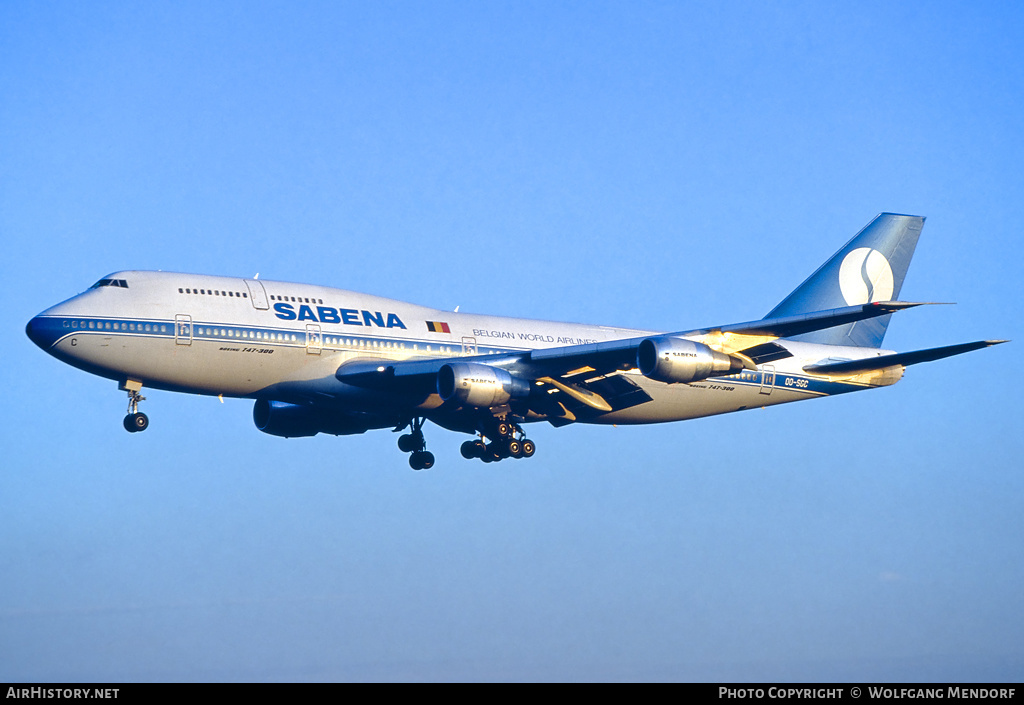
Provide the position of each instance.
(909, 304)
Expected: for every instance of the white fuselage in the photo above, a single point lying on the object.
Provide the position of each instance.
(247, 338)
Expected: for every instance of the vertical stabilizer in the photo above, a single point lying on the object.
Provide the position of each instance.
(870, 267)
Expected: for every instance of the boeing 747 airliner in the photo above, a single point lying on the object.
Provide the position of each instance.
(323, 360)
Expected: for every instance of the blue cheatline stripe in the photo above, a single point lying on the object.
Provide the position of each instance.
(804, 384)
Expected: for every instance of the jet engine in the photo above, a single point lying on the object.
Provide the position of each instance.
(478, 385)
(280, 418)
(677, 360)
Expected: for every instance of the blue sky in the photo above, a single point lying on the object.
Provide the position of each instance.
(656, 165)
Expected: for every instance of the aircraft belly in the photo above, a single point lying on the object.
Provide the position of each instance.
(678, 402)
(203, 367)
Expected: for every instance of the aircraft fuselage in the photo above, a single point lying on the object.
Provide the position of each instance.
(252, 338)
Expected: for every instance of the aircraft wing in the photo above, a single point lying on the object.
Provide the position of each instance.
(585, 379)
(753, 339)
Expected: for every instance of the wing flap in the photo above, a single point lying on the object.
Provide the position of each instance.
(616, 392)
(765, 353)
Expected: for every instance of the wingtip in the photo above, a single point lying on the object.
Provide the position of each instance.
(901, 305)
(895, 305)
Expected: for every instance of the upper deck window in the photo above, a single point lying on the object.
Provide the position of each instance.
(181, 290)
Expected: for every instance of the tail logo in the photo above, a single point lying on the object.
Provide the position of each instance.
(865, 276)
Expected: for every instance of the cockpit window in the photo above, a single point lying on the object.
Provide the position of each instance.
(110, 282)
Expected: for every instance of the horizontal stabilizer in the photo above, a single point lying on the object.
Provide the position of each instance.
(907, 358)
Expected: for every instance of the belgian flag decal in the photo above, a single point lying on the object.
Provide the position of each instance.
(438, 327)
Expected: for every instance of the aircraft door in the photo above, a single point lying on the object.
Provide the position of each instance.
(314, 339)
(183, 329)
(767, 379)
(257, 294)
(469, 346)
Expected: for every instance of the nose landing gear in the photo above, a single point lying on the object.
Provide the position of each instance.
(135, 421)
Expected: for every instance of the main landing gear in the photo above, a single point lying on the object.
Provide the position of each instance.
(135, 421)
(416, 445)
(509, 441)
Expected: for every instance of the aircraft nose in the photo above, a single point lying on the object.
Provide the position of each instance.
(40, 332)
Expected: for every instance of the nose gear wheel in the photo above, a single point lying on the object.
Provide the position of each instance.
(135, 421)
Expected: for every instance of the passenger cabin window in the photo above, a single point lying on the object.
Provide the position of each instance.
(188, 290)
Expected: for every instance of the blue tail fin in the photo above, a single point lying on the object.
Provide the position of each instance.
(870, 267)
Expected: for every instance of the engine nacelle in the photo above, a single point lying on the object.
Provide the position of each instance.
(478, 385)
(280, 418)
(677, 360)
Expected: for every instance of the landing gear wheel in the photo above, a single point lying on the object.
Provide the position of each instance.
(415, 444)
(515, 448)
(409, 442)
(505, 429)
(469, 450)
(493, 452)
(421, 460)
(136, 422)
(529, 448)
